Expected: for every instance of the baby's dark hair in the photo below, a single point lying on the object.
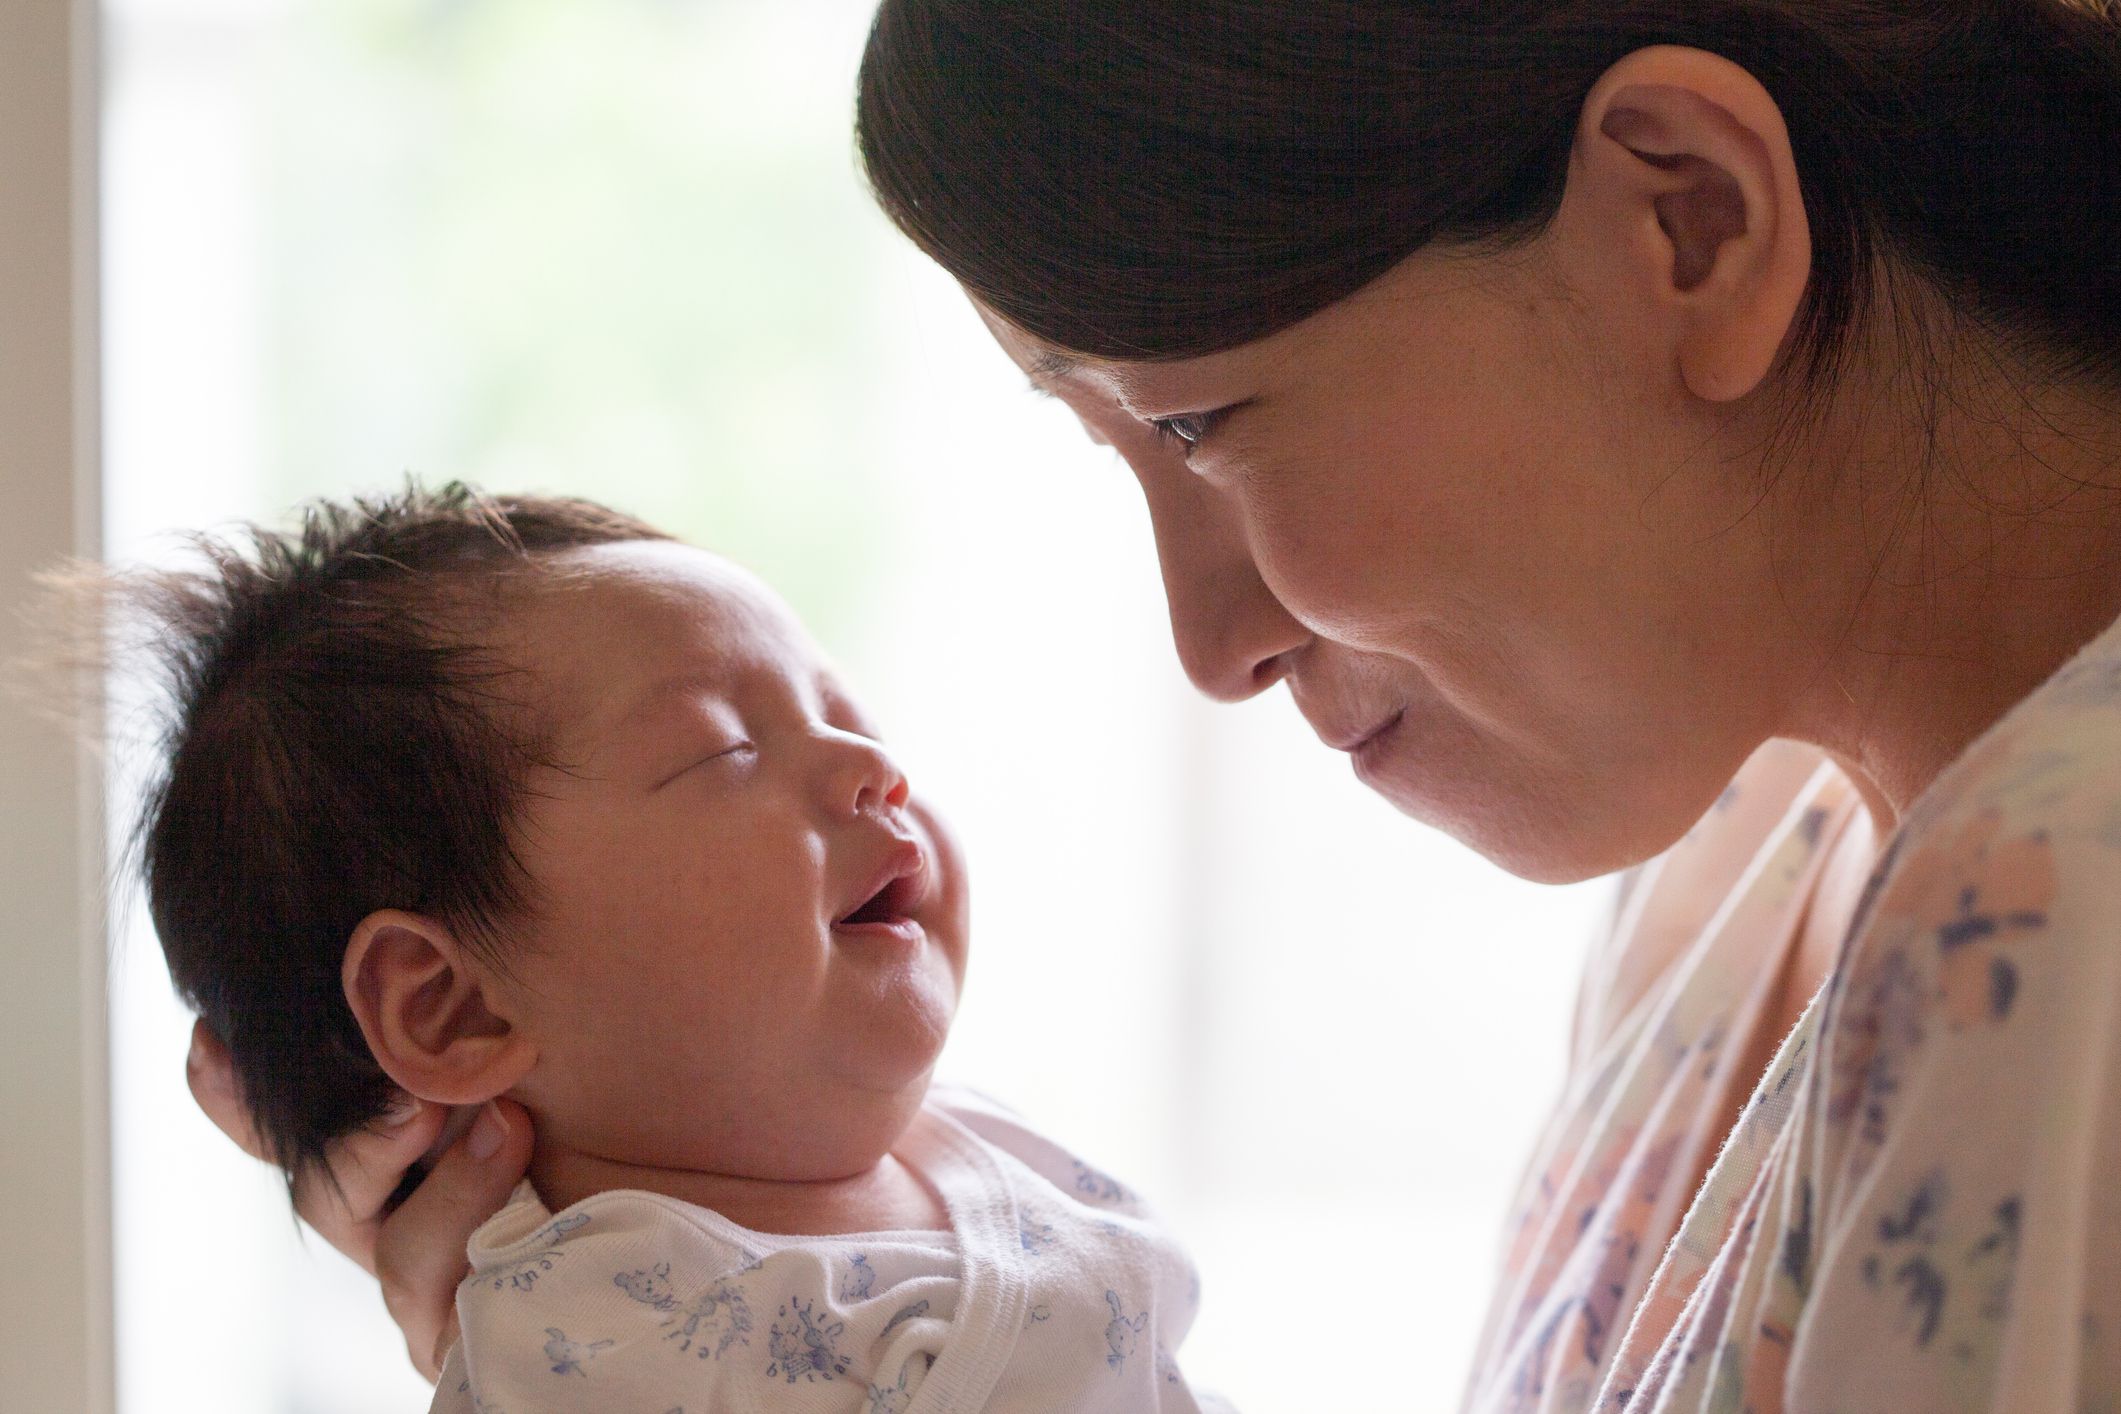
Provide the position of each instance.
(337, 741)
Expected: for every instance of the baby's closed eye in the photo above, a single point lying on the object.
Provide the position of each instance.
(736, 751)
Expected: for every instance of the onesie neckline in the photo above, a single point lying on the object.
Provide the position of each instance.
(929, 1147)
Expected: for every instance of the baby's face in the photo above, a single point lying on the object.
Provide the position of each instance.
(747, 935)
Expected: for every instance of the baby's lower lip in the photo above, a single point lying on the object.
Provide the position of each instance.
(900, 930)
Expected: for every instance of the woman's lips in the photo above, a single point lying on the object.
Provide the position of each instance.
(1368, 752)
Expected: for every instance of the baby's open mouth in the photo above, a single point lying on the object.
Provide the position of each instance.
(889, 904)
(895, 895)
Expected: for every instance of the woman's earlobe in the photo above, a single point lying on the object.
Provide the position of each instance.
(1685, 155)
(425, 1009)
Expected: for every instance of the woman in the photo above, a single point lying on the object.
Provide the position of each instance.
(1684, 431)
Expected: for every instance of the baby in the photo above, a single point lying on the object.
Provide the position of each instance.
(474, 797)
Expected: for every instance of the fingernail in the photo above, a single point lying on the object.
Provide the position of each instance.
(487, 1132)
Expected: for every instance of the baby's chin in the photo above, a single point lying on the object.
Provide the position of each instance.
(847, 1138)
(894, 1007)
(828, 1130)
(870, 1087)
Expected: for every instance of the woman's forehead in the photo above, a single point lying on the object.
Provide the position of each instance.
(1058, 373)
(1163, 385)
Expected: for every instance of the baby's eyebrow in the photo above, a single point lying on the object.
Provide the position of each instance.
(660, 695)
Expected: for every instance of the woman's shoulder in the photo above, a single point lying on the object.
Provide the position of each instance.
(2029, 812)
(2012, 858)
(2056, 755)
(1968, 1091)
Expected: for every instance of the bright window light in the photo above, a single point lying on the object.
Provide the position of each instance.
(621, 250)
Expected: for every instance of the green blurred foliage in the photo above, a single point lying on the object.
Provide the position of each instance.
(611, 247)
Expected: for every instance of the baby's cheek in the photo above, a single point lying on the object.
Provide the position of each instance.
(622, 1019)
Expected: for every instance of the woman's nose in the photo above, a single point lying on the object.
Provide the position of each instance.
(863, 779)
(1234, 638)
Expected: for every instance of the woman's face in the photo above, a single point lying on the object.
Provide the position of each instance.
(1496, 551)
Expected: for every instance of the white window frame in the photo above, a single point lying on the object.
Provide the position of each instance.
(55, 1303)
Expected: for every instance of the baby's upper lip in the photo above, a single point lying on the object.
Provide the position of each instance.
(898, 884)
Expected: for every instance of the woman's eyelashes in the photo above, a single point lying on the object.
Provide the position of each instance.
(1188, 430)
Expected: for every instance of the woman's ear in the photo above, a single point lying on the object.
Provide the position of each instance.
(1682, 208)
(423, 1005)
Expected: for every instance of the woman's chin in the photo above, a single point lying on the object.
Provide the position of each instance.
(1541, 836)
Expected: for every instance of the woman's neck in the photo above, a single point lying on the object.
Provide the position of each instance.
(1958, 558)
(885, 1195)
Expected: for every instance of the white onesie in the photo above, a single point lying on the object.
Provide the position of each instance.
(1054, 1292)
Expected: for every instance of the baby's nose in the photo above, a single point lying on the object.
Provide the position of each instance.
(867, 781)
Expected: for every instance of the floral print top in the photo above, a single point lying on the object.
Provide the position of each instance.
(1919, 1208)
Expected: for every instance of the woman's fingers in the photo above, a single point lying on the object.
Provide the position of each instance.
(367, 1167)
(415, 1250)
(419, 1249)
(349, 1204)
(212, 1077)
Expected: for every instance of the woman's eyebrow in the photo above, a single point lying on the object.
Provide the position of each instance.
(1052, 364)
(1049, 367)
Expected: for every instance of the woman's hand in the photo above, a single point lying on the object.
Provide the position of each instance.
(415, 1250)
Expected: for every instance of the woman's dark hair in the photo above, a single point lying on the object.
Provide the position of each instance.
(1156, 180)
(336, 743)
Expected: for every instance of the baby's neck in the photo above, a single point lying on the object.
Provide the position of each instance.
(886, 1196)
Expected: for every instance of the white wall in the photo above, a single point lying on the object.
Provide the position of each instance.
(54, 1138)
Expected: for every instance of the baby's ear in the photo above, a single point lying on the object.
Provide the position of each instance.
(422, 1001)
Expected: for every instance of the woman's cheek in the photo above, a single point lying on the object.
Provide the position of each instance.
(1342, 564)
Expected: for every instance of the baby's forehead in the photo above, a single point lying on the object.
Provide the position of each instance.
(666, 590)
(605, 629)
